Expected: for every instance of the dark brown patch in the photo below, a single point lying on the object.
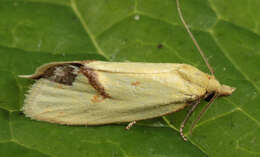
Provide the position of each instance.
(209, 97)
(93, 80)
(136, 83)
(64, 74)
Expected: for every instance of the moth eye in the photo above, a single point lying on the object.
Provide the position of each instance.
(159, 46)
(64, 74)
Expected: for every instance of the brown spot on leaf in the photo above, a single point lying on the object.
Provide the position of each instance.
(159, 46)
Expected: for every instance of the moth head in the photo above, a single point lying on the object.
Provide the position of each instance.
(202, 79)
(226, 90)
(215, 87)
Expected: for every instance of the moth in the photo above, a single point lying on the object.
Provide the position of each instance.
(99, 92)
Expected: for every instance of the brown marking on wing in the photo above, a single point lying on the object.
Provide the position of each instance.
(136, 83)
(63, 74)
(93, 80)
(97, 99)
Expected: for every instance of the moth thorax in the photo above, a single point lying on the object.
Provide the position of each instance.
(213, 85)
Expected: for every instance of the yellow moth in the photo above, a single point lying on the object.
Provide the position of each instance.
(98, 92)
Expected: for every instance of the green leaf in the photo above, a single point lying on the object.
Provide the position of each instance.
(35, 32)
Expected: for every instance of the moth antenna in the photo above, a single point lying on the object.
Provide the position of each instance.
(193, 39)
(186, 119)
(203, 111)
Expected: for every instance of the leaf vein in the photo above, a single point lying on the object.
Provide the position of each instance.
(28, 147)
(232, 61)
(85, 26)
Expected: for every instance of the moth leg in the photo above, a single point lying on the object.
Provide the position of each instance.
(130, 125)
(203, 111)
(186, 119)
